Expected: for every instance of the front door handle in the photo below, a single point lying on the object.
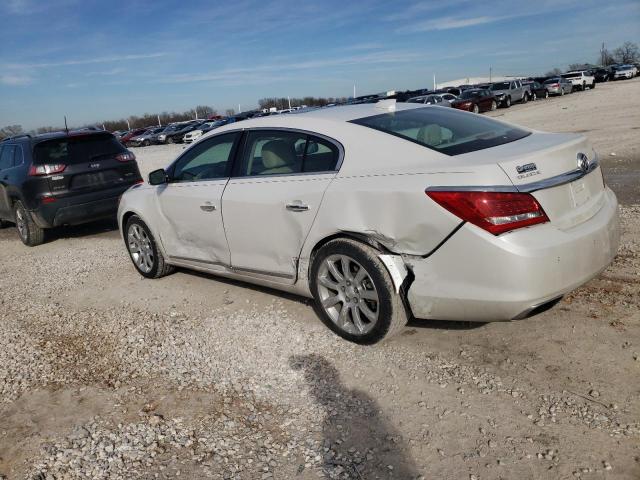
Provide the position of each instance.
(207, 207)
(297, 207)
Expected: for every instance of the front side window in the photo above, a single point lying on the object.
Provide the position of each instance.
(208, 160)
(274, 152)
(445, 130)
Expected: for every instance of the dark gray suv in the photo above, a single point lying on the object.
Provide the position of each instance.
(62, 178)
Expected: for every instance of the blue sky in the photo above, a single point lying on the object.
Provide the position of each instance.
(94, 60)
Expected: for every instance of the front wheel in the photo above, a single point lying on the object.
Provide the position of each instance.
(534, 97)
(354, 294)
(494, 105)
(562, 92)
(30, 233)
(593, 85)
(476, 109)
(170, 140)
(143, 250)
(507, 102)
(546, 94)
(525, 98)
(146, 143)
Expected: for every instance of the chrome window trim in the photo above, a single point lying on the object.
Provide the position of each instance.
(555, 181)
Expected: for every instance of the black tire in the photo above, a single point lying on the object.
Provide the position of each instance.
(546, 94)
(593, 85)
(4, 224)
(507, 102)
(476, 109)
(525, 98)
(534, 96)
(170, 140)
(30, 233)
(391, 314)
(561, 92)
(146, 143)
(160, 267)
(494, 105)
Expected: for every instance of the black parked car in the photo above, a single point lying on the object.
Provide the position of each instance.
(602, 75)
(537, 90)
(62, 179)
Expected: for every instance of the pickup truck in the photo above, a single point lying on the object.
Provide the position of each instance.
(580, 79)
(509, 91)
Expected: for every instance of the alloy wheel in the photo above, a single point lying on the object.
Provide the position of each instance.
(140, 248)
(348, 295)
(21, 224)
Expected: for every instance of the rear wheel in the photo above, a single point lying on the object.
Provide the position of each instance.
(593, 85)
(30, 233)
(476, 109)
(534, 97)
(170, 140)
(561, 92)
(143, 250)
(546, 94)
(525, 98)
(507, 102)
(146, 143)
(354, 294)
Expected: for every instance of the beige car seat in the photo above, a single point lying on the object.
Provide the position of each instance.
(278, 156)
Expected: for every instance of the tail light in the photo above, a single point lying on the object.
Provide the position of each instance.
(125, 157)
(495, 212)
(48, 169)
(555, 85)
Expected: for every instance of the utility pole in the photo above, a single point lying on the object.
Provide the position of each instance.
(354, 90)
(435, 87)
(490, 73)
(289, 100)
(128, 125)
(602, 55)
(159, 124)
(239, 109)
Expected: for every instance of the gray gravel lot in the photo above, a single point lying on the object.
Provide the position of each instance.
(106, 375)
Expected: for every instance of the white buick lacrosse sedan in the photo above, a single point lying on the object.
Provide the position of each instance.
(381, 212)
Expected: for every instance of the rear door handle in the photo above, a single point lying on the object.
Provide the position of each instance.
(207, 207)
(297, 207)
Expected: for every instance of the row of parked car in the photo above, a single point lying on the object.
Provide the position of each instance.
(473, 98)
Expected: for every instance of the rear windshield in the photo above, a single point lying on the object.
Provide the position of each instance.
(445, 130)
(500, 86)
(571, 75)
(76, 149)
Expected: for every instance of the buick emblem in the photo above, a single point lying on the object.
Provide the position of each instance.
(94, 165)
(583, 162)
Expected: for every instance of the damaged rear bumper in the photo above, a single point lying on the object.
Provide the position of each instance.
(476, 276)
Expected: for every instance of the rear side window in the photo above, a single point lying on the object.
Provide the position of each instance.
(445, 130)
(7, 153)
(77, 149)
(276, 152)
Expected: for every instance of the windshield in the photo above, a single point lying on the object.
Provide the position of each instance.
(77, 149)
(445, 130)
(500, 86)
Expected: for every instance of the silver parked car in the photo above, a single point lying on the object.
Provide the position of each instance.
(433, 99)
(380, 212)
(558, 86)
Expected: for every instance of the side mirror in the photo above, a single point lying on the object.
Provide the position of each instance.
(158, 177)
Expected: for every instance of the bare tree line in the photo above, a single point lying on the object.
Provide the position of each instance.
(628, 52)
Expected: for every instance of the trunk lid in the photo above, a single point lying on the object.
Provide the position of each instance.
(553, 168)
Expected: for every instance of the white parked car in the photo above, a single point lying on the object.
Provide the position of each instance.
(625, 71)
(580, 79)
(381, 212)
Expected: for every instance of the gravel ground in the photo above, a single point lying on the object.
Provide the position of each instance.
(106, 375)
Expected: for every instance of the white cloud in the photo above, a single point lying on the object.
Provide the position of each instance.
(86, 61)
(448, 23)
(15, 80)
